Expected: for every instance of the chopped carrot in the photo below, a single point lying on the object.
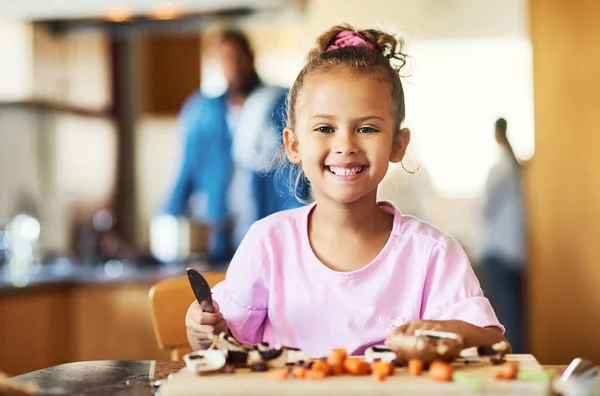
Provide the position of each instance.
(392, 368)
(440, 371)
(499, 375)
(415, 367)
(314, 375)
(382, 367)
(321, 366)
(337, 356)
(378, 375)
(508, 371)
(336, 360)
(280, 374)
(356, 367)
(337, 369)
(299, 371)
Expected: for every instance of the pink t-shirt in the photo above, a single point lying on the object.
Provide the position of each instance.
(276, 289)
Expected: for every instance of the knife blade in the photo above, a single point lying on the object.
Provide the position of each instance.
(201, 290)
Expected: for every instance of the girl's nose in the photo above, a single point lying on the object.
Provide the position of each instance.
(345, 143)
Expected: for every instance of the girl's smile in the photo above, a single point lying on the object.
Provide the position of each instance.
(349, 171)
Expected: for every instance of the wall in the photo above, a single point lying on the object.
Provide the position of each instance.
(18, 141)
(158, 160)
(57, 145)
(15, 70)
(564, 181)
(71, 69)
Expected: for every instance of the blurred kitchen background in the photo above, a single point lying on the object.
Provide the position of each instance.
(90, 146)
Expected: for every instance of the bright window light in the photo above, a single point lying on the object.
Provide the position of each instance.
(455, 92)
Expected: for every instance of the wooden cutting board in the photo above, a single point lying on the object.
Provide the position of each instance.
(244, 382)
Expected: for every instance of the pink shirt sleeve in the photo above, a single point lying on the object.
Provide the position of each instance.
(452, 291)
(243, 295)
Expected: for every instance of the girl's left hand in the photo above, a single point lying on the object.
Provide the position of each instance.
(471, 335)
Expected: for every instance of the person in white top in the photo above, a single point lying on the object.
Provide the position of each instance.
(503, 248)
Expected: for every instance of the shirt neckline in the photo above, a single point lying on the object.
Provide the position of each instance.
(316, 262)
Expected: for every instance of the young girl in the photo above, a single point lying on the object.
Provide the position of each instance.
(346, 271)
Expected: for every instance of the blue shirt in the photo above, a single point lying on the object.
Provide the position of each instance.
(203, 186)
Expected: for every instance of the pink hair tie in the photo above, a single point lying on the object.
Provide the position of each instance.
(348, 38)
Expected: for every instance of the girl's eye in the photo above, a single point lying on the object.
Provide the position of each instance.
(367, 130)
(324, 129)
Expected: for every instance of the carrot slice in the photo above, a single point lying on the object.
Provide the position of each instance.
(440, 371)
(356, 367)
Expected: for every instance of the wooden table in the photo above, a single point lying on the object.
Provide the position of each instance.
(116, 377)
(102, 377)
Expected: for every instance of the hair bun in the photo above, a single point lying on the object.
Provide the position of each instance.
(388, 45)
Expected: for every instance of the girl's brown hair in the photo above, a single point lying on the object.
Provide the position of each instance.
(384, 62)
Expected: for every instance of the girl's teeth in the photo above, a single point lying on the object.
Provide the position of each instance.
(345, 171)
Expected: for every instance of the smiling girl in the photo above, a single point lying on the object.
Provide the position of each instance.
(346, 271)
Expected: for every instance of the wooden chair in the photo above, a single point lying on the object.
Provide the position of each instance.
(169, 301)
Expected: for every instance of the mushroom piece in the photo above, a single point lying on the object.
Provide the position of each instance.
(295, 355)
(275, 358)
(486, 353)
(425, 345)
(380, 353)
(245, 355)
(205, 362)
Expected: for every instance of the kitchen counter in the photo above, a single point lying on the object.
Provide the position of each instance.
(63, 312)
(67, 272)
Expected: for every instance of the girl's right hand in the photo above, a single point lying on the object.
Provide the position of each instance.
(202, 326)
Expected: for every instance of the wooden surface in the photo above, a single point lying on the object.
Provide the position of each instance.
(117, 377)
(44, 326)
(113, 322)
(563, 182)
(34, 329)
(169, 302)
(170, 70)
(185, 383)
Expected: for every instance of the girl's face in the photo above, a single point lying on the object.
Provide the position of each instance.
(344, 135)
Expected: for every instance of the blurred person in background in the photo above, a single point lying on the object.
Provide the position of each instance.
(228, 139)
(503, 254)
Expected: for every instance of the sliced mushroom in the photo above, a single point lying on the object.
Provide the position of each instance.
(275, 358)
(237, 358)
(263, 346)
(381, 353)
(254, 357)
(205, 362)
(486, 353)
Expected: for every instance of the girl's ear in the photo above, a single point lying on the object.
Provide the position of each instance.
(399, 145)
(290, 143)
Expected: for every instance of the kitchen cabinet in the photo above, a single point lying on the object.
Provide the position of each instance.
(34, 328)
(42, 326)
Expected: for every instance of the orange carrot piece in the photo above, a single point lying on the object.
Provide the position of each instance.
(415, 367)
(379, 375)
(337, 356)
(356, 367)
(382, 367)
(336, 360)
(337, 369)
(509, 370)
(321, 366)
(299, 371)
(440, 371)
(314, 375)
